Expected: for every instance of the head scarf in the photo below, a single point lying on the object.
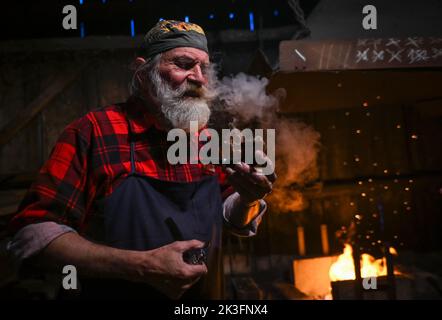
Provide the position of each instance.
(170, 34)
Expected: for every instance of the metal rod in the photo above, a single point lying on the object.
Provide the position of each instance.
(391, 291)
(357, 264)
(301, 240)
(324, 240)
(390, 273)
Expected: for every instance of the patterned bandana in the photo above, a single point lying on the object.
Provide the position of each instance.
(170, 34)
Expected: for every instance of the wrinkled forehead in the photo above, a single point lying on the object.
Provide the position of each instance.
(194, 54)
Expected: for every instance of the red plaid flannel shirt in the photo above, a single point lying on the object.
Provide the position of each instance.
(91, 158)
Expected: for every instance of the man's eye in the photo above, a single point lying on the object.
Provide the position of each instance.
(188, 65)
(204, 69)
(185, 65)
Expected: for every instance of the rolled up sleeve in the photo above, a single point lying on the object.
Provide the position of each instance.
(33, 238)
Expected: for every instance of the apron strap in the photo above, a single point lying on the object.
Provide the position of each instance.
(132, 146)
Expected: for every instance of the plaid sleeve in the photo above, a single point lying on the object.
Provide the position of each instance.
(58, 194)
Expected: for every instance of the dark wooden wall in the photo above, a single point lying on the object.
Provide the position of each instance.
(104, 80)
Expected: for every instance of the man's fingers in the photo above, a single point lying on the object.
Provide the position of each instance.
(259, 179)
(194, 271)
(247, 193)
(198, 269)
(251, 180)
(246, 188)
(246, 170)
(189, 244)
(241, 168)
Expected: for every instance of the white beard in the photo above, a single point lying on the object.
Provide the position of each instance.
(177, 109)
(180, 112)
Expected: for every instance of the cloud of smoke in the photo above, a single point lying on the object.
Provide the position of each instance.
(296, 164)
(297, 144)
(298, 149)
(245, 98)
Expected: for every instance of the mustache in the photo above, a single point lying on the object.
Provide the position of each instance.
(194, 90)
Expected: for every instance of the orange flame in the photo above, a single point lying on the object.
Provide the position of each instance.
(343, 268)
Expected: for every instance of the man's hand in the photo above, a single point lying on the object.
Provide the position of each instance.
(249, 182)
(165, 269)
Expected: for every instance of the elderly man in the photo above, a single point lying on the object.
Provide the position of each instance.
(109, 203)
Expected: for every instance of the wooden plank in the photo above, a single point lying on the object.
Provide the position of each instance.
(425, 138)
(312, 91)
(339, 150)
(430, 107)
(11, 88)
(394, 139)
(121, 61)
(127, 42)
(58, 84)
(330, 163)
(17, 180)
(412, 131)
(89, 85)
(67, 106)
(27, 84)
(71, 44)
(381, 53)
(111, 89)
(358, 141)
(30, 157)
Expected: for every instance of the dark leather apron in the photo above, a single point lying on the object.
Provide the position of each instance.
(133, 217)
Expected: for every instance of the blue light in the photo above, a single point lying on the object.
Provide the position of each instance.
(81, 2)
(161, 19)
(82, 30)
(252, 21)
(211, 16)
(103, 1)
(276, 13)
(132, 27)
(231, 16)
(186, 19)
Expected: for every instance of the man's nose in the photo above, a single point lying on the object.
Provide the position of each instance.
(197, 76)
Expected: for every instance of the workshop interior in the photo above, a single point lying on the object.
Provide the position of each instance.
(356, 211)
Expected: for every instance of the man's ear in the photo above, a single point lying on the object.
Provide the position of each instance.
(137, 62)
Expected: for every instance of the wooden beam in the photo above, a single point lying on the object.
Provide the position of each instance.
(326, 90)
(233, 36)
(360, 54)
(57, 85)
(347, 187)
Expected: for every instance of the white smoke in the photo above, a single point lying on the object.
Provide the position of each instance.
(297, 144)
(298, 150)
(244, 96)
